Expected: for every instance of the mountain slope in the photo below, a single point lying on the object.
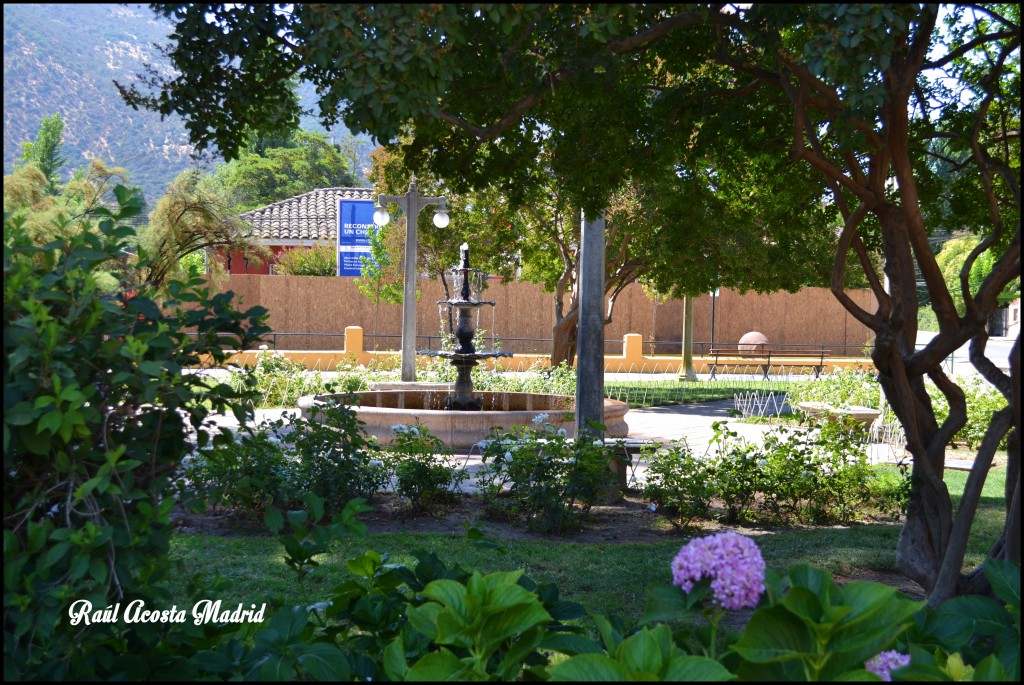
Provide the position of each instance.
(65, 58)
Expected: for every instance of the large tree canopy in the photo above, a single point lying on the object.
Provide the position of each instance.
(911, 122)
(735, 221)
(270, 170)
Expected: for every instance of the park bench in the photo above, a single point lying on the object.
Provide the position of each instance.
(763, 356)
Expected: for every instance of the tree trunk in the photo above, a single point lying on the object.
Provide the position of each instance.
(933, 541)
(564, 334)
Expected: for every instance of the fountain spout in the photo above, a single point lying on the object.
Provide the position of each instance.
(465, 356)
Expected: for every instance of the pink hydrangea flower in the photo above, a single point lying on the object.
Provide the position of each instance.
(881, 664)
(732, 562)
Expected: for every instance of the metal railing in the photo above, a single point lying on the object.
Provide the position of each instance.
(385, 342)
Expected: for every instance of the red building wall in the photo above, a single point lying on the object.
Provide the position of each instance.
(238, 264)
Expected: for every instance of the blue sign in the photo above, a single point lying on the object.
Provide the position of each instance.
(355, 221)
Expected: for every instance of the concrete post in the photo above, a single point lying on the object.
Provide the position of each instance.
(686, 372)
(412, 212)
(590, 340)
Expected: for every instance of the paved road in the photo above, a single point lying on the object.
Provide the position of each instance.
(959, 363)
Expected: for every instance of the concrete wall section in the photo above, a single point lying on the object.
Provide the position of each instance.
(321, 307)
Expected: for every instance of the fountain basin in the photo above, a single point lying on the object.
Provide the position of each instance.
(865, 415)
(380, 410)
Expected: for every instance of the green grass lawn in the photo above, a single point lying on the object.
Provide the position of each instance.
(640, 394)
(605, 578)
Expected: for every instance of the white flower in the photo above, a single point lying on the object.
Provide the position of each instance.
(376, 462)
(263, 347)
(319, 606)
(508, 457)
(599, 443)
(539, 419)
(399, 428)
(561, 432)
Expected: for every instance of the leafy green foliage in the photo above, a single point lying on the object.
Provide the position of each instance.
(737, 475)
(269, 173)
(558, 380)
(983, 401)
(679, 484)
(818, 476)
(424, 470)
(247, 474)
(858, 387)
(277, 465)
(278, 380)
(951, 259)
(97, 414)
(547, 475)
(812, 476)
(981, 628)
(338, 461)
(483, 219)
(193, 216)
(841, 388)
(49, 216)
(320, 260)
(193, 264)
(45, 150)
(814, 629)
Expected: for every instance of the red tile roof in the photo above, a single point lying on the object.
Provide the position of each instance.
(312, 216)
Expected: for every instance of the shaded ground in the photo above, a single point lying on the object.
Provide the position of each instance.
(630, 520)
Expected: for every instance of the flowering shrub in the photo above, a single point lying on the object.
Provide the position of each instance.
(248, 474)
(560, 380)
(982, 402)
(815, 476)
(542, 477)
(679, 484)
(882, 664)
(329, 457)
(860, 387)
(735, 472)
(731, 561)
(804, 627)
(335, 459)
(423, 467)
(279, 381)
(843, 387)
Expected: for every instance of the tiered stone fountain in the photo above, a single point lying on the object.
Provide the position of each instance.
(464, 357)
(462, 417)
